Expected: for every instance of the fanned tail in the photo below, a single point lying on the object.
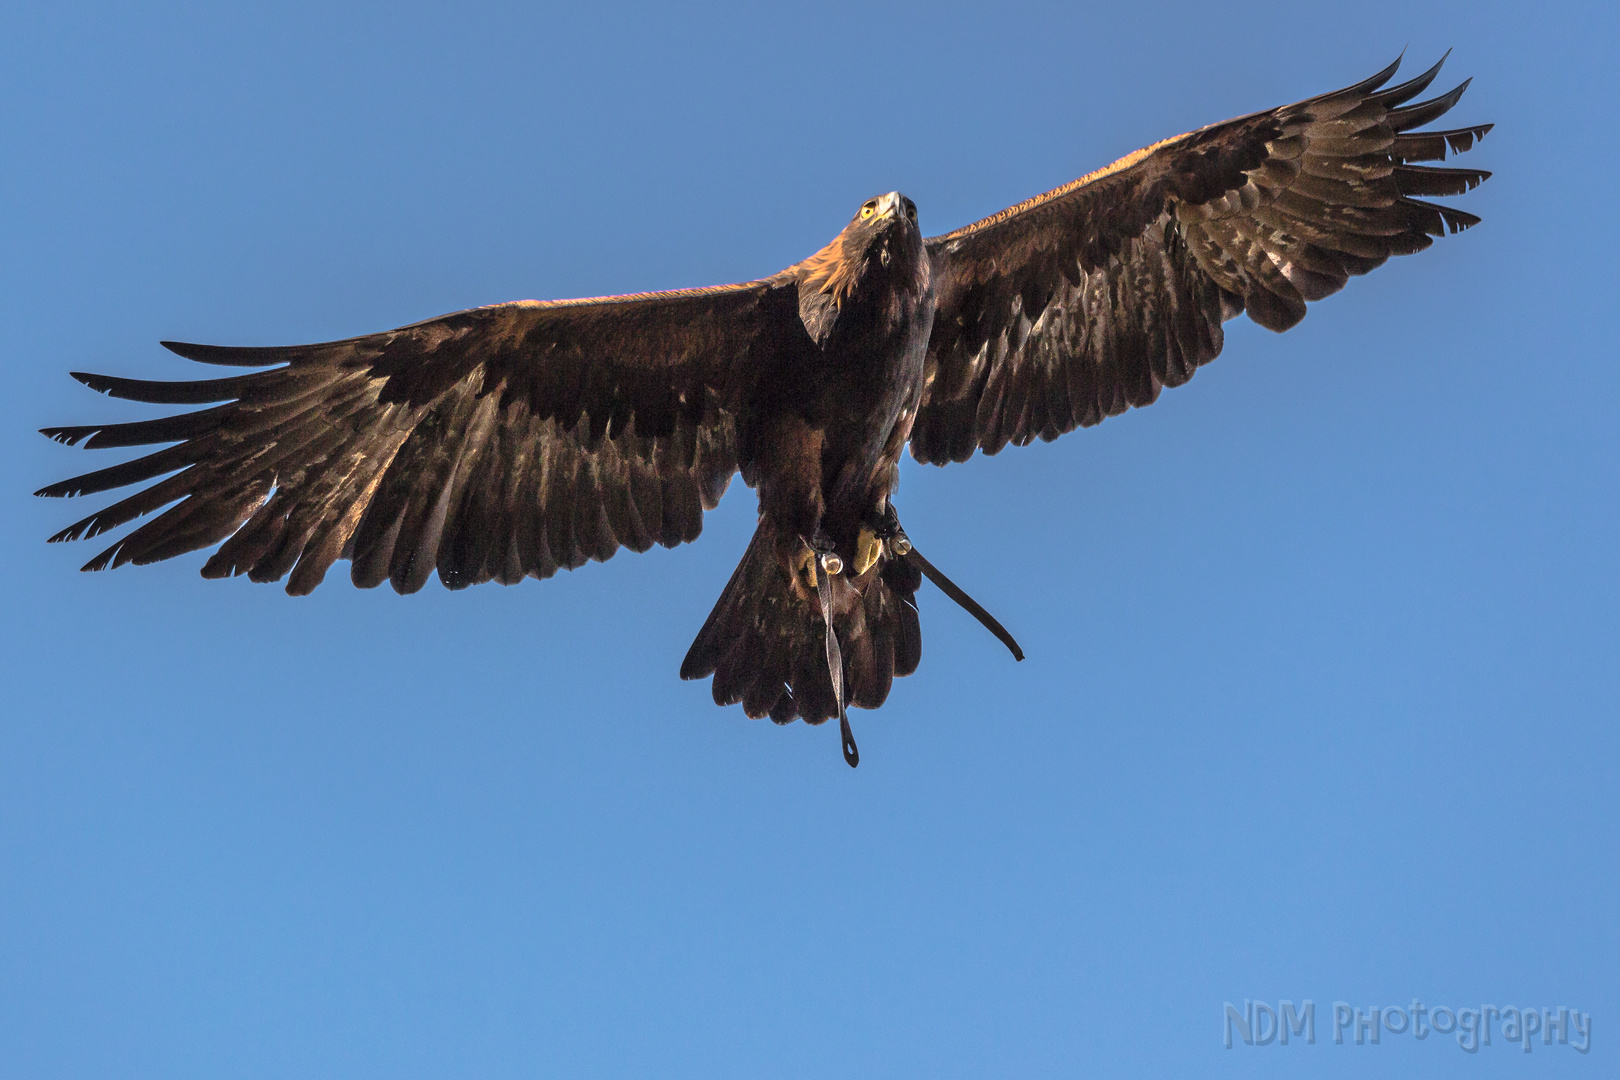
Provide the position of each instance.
(766, 645)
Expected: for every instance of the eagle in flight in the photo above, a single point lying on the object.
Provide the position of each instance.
(515, 440)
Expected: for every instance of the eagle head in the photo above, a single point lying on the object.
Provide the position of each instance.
(880, 242)
(881, 228)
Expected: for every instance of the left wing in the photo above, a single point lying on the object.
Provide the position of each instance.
(1082, 302)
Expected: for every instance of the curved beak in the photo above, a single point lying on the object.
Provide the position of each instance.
(889, 205)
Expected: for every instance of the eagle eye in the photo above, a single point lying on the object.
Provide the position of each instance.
(869, 209)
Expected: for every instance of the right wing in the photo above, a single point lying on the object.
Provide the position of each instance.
(494, 443)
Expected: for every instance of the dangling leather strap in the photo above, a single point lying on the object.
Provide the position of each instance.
(835, 665)
(968, 604)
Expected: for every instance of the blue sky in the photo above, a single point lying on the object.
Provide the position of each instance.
(1320, 697)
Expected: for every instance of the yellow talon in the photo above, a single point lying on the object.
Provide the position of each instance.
(806, 570)
(867, 549)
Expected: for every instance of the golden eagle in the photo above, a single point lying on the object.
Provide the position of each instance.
(514, 440)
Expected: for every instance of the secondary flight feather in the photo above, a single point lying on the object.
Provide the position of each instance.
(515, 440)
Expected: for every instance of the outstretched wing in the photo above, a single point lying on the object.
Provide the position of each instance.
(493, 443)
(1085, 301)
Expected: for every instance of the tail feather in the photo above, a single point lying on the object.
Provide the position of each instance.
(765, 644)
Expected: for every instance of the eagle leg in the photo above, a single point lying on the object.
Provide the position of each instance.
(804, 573)
(867, 549)
(826, 557)
(887, 530)
(814, 554)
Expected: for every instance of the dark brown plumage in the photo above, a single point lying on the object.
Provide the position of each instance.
(514, 440)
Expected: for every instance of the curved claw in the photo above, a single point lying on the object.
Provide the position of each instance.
(804, 572)
(868, 547)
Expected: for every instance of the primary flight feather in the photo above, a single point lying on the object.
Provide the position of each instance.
(510, 441)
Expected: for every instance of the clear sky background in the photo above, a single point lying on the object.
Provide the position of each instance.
(1321, 691)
